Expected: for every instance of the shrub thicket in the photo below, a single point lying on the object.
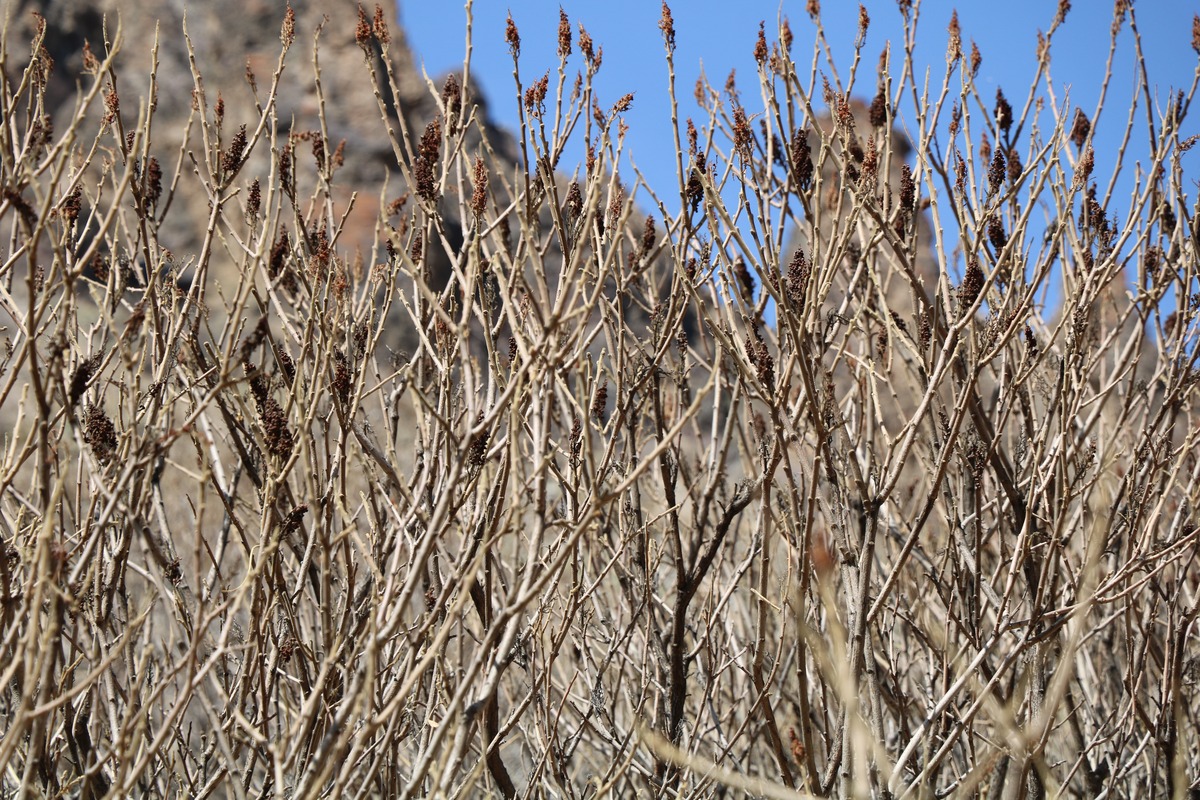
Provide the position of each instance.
(753, 491)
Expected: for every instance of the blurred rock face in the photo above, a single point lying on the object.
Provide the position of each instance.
(232, 40)
(236, 45)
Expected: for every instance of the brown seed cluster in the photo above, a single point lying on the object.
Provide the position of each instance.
(796, 286)
(254, 200)
(42, 132)
(343, 379)
(564, 34)
(908, 190)
(72, 204)
(616, 206)
(742, 135)
(1064, 6)
(1093, 218)
(233, 155)
(1084, 167)
(291, 523)
(878, 111)
(796, 746)
(91, 65)
(318, 149)
(112, 105)
(1003, 113)
(996, 172)
(801, 154)
(760, 45)
(870, 164)
(360, 336)
(760, 358)
(587, 47)
(535, 97)
(379, 27)
(666, 24)
(954, 45)
(575, 442)
(972, 283)
(42, 64)
(287, 31)
(286, 365)
(573, 205)
(600, 401)
(479, 191)
(82, 377)
(695, 183)
(321, 253)
(417, 251)
(996, 234)
(174, 573)
(513, 38)
(452, 97)
(285, 169)
(277, 263)
(925, 331)
(427, 156)
(648, 237)
(362, 31)
(99, 433)
(1043, 48)
(99, 268)
(276, 432)
(1080, 128)
(154, 181)
(477, 452)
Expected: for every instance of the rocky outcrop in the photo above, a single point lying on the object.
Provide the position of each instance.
(325, 101)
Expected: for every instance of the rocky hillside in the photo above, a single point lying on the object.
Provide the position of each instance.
(325, 102)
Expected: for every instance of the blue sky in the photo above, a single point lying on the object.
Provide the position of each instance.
(715, 38)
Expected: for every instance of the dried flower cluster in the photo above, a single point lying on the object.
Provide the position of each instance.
(426, 162)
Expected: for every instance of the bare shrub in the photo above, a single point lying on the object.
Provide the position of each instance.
(792, 486)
